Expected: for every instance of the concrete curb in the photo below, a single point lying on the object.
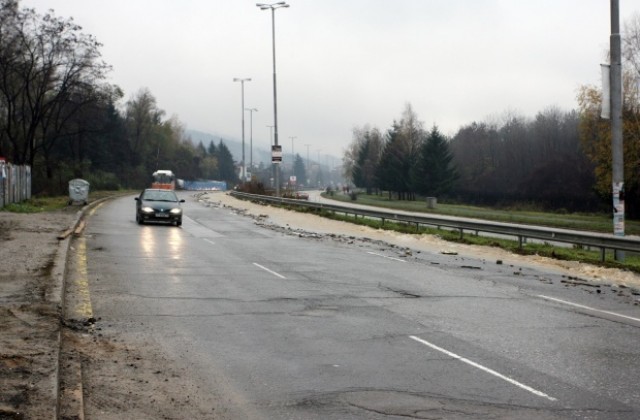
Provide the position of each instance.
(59, 276)
(72, 395)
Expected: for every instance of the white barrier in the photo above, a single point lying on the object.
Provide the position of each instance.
(15, 183)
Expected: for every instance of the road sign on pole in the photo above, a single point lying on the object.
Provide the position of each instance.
(276, 153)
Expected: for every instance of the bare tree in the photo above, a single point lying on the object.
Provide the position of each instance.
(49, 70)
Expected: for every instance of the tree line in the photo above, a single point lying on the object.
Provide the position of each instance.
(558, 160)
(59, 114)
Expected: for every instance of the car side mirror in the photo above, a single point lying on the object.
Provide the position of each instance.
(137, 198)
(182, 201)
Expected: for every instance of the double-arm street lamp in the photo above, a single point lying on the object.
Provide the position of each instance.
(243, 169)
(273, 7)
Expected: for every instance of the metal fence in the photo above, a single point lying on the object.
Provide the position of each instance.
(15, 183)
(602, 241)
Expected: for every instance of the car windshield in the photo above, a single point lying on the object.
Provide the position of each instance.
(159, 196)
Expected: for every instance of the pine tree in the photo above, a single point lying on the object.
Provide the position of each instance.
(225, 164)
(299, 170)
(433, 174)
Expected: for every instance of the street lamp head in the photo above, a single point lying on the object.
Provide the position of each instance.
(264, 6)
(236, 79)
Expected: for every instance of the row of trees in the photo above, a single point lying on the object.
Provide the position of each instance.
(60, 116)
(540, 160)
(407, 160)
(557, 160)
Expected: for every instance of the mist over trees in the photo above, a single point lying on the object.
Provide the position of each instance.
(537, 161)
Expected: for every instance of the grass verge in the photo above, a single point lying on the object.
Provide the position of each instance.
(596, 222)
(44, 204)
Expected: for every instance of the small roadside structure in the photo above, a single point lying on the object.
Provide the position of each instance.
(78, 191)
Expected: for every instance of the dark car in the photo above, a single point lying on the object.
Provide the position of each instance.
(155, 205)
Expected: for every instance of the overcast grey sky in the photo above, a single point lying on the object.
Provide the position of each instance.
(344, 64)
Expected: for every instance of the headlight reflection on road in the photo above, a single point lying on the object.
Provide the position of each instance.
(148, 242)
(175, 243)
(155, 244)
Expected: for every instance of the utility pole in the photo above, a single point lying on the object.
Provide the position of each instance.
(308, 168)
(617, 154)
(251, 111)
(243, 170)
(293, 157)
(273, 7)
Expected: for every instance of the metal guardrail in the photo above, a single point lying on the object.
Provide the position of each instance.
(521, 232)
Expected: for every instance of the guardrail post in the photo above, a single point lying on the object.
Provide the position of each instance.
(519, 241)
(603, 254)
(461, 233)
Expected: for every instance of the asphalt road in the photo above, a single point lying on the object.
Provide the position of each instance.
(284, 326)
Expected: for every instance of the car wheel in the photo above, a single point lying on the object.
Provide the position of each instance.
(179, 222)
(139, 219)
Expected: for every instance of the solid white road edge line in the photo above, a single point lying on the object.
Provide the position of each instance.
(270, 271)
(577, 305)
(384, 256)
(486, 369)
(210, 241)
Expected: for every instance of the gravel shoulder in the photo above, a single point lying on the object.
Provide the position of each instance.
(30, 287)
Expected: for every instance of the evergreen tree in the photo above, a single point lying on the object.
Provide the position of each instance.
(359, 168)
(226, 167)
(393, 172)
(367, 160)
(433, 174)
(299, 170)
(211, 150)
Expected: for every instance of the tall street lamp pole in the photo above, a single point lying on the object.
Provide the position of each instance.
(270, 134)
(293, 157)
(617, 150)
(243, 175)
(251, 111)
(273, 167)
(273, 7)
(307, 168)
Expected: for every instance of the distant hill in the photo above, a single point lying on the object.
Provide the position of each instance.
(260, 154)
(234, 144)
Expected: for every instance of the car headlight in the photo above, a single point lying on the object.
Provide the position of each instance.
(146, 210)
(175, 211)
